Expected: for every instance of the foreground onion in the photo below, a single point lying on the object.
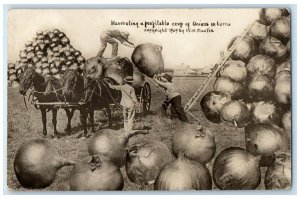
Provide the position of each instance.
(232, 88)
(244, 50)
(195, 141)
(236, 169)
(268, 15)
(111, 144)
(265, 139)
(235, 70)
(148, 58)
(145, 159)
(279, 175)
(183, 174)
(212, 103)
(260, 87)
(235, 113)
(261, 65)
(263, 111)
(258, 31)
(280, 29)
(96, 173)
(287, 122)
(36, 164)
(273, 48)
(282, 91)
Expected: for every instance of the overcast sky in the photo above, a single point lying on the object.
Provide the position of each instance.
(83, 27)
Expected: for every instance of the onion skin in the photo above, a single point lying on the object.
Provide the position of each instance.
(279, 175)
(148, 58)
(235, 113)
(235, 70)
(265, 139)
(263, 111)
(235, 89)
(268, 15)
(111, 144)
(145, 160)
(273, 48)
(36, 164)
(195, 141)
(212, 103)
(280, 29)
(261, 65)
(96, 173)
(260, 88)
(236, 169)
(183, 174)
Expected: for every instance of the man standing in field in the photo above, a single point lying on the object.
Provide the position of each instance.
(129, 103)
(173, 95)
(111, 36)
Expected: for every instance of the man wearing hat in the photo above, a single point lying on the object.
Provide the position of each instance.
(111, 36)
(173, 96)
(128, 102)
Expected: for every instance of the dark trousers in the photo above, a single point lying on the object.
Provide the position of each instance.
(176, 107)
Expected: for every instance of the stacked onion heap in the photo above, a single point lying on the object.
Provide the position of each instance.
(50, 53)
(253, 90)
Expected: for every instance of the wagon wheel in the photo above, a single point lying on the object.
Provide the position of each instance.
(146, 98)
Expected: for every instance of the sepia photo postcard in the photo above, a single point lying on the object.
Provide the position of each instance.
(153, 99)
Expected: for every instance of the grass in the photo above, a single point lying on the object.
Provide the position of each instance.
(25, 124)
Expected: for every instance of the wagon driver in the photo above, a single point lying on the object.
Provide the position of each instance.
(112, 37)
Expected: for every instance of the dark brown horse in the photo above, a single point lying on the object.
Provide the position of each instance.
(97, 95)
(40, 84)
(73, 91)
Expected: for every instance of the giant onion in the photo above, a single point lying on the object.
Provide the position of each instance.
(264, 111)
(145, 159)
(273, 48)
(284, 66)
(235, 113)
(111, 144)
(258, 31)
(265, 139)
(235, 70)
(148, 58)
(287, 122)
(280, 29)
(195, 141)
(96, 173)
(268, 15)
(244, 50)
(279, 175)
(37, 162)
(260, 87)
(212, 103)
(236, 169)
(183, 174)
(261, 65)
(234, 89)
(282, 91)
